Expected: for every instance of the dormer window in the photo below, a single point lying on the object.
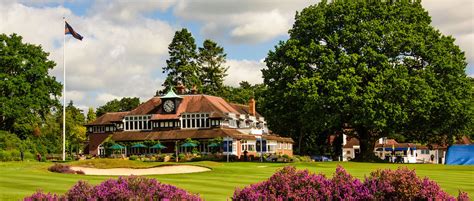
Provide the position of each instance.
(137, 122)
(195, 120)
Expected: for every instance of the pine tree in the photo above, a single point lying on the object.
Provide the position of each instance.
(91, 115)
(211, 60)
(181, 66)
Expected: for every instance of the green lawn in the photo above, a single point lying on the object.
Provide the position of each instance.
(18, 179)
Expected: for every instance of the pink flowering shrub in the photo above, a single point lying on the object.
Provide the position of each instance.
(290, 184)
(123, 188)
(40, 196)
(61, 168)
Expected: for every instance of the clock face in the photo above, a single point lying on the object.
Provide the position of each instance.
(168, 106)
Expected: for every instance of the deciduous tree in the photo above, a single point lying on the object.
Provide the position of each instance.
(373, 67)
(27, 91)
(122, 105)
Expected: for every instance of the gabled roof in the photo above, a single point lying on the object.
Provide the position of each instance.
(351, 143)
(216, 106)
(243, 109)
(148, 107)
(108, 118)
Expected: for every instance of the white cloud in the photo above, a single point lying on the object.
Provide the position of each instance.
(455, 18)
(243, 21)
(106, 97)
(113, 60)
(244, 70)
(128, 10)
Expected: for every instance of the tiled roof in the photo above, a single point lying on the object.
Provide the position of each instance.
(108, 118)
(148, 107)
(188, 133)
(216, 106)
(351, 143)
(243, 109)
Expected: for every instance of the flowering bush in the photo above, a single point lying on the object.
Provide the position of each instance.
(124, 188)
(60, 168)
(290, 184)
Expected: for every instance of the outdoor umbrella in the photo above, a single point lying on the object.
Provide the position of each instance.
(116, 147)
(214, 145)
(139, 146)
(189, 144)
(158, 146)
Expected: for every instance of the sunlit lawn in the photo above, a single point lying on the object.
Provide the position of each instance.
(18, 179)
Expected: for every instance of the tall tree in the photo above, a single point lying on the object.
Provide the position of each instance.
(211, 60)
(27, 91)
(75, 130)
(375, 67)
(90, 115)
(181, 66)
(122, 105)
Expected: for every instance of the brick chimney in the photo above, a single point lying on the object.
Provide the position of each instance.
(194, 90)
(252, 107)
(180, 89)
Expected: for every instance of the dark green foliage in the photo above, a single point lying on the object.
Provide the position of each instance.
(90, 115)
(376, 67)
(122, 105)
(211, 60)
(27, 91)
(181, 66)
(244, 93)
(75, 130)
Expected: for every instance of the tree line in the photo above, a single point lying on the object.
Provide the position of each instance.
(364, 69)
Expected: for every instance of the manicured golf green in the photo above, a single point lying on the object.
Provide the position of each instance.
(18, 179)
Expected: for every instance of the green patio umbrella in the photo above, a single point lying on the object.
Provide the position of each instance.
(116, 147)
(139, 146)
(214, 145)
(189, 144)
(158, 146)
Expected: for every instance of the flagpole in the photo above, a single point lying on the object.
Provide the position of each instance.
(64, 93)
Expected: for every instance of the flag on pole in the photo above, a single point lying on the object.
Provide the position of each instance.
(69, 30)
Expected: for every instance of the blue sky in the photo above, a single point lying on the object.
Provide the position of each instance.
(125, 42)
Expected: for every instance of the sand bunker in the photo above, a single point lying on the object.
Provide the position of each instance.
(172, 169)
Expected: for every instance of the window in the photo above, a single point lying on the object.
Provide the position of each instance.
(247, 145)
(227, 146)
(140, 122)
(290, 146)
(232, 123)
(251, 147)
(195, 120)
(425, 151)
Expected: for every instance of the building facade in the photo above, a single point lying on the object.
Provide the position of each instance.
(391, 150)
(173, 118)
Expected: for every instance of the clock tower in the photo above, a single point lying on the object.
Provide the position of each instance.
(170, 102)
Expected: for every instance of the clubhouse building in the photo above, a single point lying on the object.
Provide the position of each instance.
(173, 118)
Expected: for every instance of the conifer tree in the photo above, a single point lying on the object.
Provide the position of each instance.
(181, 66)
(211, 60)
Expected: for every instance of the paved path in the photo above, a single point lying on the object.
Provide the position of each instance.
(172, 169)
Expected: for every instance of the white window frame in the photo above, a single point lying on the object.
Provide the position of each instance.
(141, 122)
(195, 120)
